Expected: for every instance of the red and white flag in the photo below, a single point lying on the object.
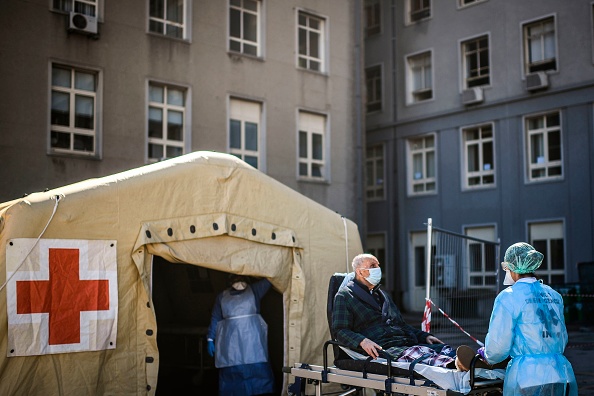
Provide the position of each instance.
(426, 323)
(62, 296)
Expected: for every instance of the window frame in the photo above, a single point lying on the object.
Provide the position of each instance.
(323, 42)
(242, 151)
(481, 173)
(415, 96)
(97, 3)
(411, 181)
(375, 186)
(464, 59)
(242, 41)
(185, 25)
(325, 161)
(186, 118)
(71, 129)
(479, 232)
(372, 12)
(534, 67)
(546, 164)
(539, 227)
(424, 12)
(378, 99)
(470, 3)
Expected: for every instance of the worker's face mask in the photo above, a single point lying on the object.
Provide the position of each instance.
(508, 281)
(375, 276)
(239, 285)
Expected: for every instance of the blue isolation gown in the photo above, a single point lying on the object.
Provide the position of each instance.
(240, 334)
(527, 324)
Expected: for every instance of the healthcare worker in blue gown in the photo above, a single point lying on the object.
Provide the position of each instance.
(527, 324)
(237, 337)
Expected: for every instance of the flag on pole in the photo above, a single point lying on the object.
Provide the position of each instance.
(62, 296)
(426, 323)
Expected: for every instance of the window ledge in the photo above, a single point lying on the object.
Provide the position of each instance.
(322, 74)
(302, 179)
(238, 56)
(93, 157)
(179, 40)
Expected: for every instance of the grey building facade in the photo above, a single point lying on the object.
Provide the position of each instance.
(479, 116)
(94, 87)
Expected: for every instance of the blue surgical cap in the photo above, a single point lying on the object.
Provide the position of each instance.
(522, 258)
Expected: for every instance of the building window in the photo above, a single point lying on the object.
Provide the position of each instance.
(373, 79)
(73, 110)
(476, 62)
(372, 17)
(312, 135)
(167, 17)
(479, 158)
(421, 165)
(464, 3)
(540, 53)
(418, 10)
(166, 122)
(244, 26)
(543, 137)
(420, 85)
(311, 42)
(244, 130)
(375, 173)
(86, 7)
(548, 238)
(482, 256)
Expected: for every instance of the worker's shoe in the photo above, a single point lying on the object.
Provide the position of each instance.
(464, 356)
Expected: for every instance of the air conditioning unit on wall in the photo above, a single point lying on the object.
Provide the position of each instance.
(472, 96)
(536, 81)
(82, 23)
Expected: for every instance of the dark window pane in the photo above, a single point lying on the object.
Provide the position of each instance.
(318, 152)
(554, 146)
(174, 31)
(557, 254)
(60, 108)
(302, 42)
(235, 134)
(83, 143)
(235, 46)
(316, 170)
(235, 23)
(175, 125)
(302, 169)
(251, 136)
(155, 125)
(314, 45)
(156, 27)
(253, 161)
(173, 151)
(302, 144)
(155, 151)
(475, 255)
(157, 8)
(250, 49)
(60, 140)
(84, 114)
(250, 28)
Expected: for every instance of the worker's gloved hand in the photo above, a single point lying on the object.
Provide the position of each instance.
(481, 353)
(210, 346)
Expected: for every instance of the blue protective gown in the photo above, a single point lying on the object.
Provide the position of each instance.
(240, 340)
(527, 324)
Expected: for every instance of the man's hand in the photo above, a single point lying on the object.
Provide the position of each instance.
(433, 340)
(370, 347)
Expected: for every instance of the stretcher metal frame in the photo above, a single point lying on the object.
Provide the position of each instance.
(388, 384)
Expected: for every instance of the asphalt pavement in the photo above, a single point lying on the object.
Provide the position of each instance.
(580, 352)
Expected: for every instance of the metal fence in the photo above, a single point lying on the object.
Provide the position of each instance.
(461, 285)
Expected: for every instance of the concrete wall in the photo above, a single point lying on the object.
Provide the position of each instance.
(128, 57)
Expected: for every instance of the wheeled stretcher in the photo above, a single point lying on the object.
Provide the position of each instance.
(354, 371)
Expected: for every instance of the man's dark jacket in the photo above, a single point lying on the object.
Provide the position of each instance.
(358, 315)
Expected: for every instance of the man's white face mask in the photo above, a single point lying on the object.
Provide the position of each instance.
(239, 285)
(508, 281)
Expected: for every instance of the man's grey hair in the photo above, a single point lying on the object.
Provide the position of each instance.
(362, 259)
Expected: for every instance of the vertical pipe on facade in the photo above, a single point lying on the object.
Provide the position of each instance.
(359, 122)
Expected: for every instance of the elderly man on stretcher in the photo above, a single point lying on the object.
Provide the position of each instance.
(365, 317)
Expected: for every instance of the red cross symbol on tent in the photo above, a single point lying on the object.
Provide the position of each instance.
(64, 296)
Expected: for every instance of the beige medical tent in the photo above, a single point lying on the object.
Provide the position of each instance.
(205, 209)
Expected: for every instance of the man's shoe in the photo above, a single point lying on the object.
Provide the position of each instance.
(464, 356)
